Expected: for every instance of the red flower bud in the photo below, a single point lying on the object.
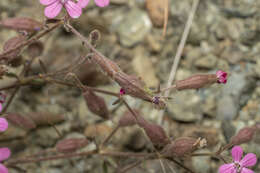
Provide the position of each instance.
(21, 121)
(128, 119)
(196, 81)
(183, 146)
(155, 132)
(244, 135)
(96, 104)
(21, 24)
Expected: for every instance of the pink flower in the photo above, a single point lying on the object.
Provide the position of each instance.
(54, 7)
(238, 165)
(3, 124)
(102, 3)
(4, 154)
(222, 76)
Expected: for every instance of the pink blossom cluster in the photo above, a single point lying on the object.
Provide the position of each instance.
(74, 9)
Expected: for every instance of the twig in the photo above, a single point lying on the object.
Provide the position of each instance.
(166, 15)
(179, 52)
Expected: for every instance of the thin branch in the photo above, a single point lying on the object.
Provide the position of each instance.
(180, 50)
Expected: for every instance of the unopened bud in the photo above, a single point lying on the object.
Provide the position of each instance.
(21, 121)
(94, 37)
(128, 119)
(21, 24)
(196, 81)
(13, 57)
(155, 133)
(96, 104)
(244, 135)
(182, 146)
(71, 145)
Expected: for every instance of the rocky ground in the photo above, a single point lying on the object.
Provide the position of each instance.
(224, 35)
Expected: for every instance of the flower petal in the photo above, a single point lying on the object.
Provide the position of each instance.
(53, 10)
(73, 9)
(249, 160)
(245, 170)
(3, 169)
(47, 2)
(3, 124)
(4, 154)
(83, 3)
(102, 3)
(237, 153)
(227, 168)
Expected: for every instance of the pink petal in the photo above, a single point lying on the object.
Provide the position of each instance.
(102, 3)
(249, 160)
(3, 169)
(83, 3)
(3, 124)
(47, 2)
(227, 168)
(237, 153)
(245, 170)
(4, 153)
(53, 10)
(73, 9)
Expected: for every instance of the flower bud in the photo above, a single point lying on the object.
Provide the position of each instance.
(96, 104)
(21, 121)
(183, 146)
(13, 57)
(94, 37)
(196, 81)
(71, 145)
(155, 133)
(128, 119)
(21, 24)
(244, 135)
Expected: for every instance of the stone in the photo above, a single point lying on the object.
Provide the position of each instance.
(201, 164)
(133, 27)
(145, 69)
(156, 11)
(227, 108)
(206, 62)
(184, 107)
